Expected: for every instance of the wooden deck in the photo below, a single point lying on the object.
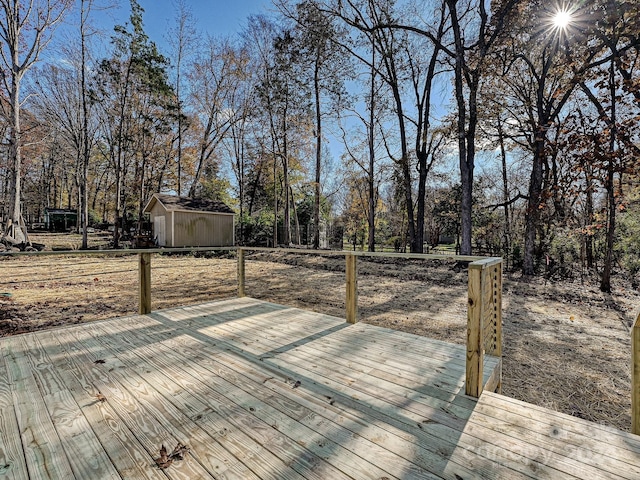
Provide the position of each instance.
(257, 390)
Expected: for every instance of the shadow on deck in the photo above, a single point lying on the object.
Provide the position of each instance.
(258, 390)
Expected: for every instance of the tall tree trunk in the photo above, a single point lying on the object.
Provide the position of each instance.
(285, 177)
(316, 203)
(415, 238)
(532, 216)
(238, 147)
(15, 152)
(371, 216)
(275, 198)
(287, 199)
(605, 283)
(119, 161)
(589, 220)
(505, 193)
(86, 148)
(78, 188)
(466, 158)
(295, 217)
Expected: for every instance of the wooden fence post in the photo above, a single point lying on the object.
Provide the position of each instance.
(635, 377)
(352, 288)
(240, 253)
(144, 278)
(475, 340)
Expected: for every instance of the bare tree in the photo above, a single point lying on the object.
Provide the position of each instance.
(212, 78)
(182, 38)
(25, 30)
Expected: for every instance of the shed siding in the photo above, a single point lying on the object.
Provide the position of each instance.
(197, 229)
(163, 238)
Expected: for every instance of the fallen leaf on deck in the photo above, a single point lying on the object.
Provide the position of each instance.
(179, 452)
(164, 461)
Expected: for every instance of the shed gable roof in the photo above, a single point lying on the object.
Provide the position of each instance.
(173, 202)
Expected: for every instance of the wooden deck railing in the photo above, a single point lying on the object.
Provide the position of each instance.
(484, 309)
(484, 323)
(635, 377)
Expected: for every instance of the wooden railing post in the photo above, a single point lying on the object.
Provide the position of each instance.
(635, 377)
(497, 313)
(484, 324)
(352, 288)
(240, 253)
(144, 279)
(475, 340)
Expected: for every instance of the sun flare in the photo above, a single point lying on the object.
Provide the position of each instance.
(562, 19)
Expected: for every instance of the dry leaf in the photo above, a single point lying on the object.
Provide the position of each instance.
(164, 461)
(179, 452)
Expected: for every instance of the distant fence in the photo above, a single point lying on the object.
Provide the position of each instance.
(484, 309)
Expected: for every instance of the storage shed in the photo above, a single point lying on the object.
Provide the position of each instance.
(190, 222)
(60, 219)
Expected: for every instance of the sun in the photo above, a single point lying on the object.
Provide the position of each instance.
(562, 19)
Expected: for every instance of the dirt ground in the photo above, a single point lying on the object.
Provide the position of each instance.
(566, 345)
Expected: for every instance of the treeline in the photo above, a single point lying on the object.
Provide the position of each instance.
(508, 129)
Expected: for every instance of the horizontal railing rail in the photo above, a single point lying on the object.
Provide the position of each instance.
(484, 309)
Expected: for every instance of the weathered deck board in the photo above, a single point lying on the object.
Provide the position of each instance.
(141, 410)
(253, 382)
(349, 381)
(12, 459)
(84, 451)
(433, 442)
(154, 420)
(258, 390)
(120, 443)
(221, 395)
(43, 449)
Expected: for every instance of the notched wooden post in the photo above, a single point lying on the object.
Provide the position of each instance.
(635, 377)
(144, 278)
(475, 344)
(240, 253)
(352, 288)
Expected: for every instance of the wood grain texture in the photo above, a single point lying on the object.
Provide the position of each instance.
(12, 461)
(43, 450)
(137, 408)
(144, 283)
(261, 391)
(352, 288)
(84, 450)
(241, 272)
(475, 340)
(121, 445)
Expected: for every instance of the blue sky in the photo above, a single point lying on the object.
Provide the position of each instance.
(217, 17)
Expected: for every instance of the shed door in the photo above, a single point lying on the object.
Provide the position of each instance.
(159, 230)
